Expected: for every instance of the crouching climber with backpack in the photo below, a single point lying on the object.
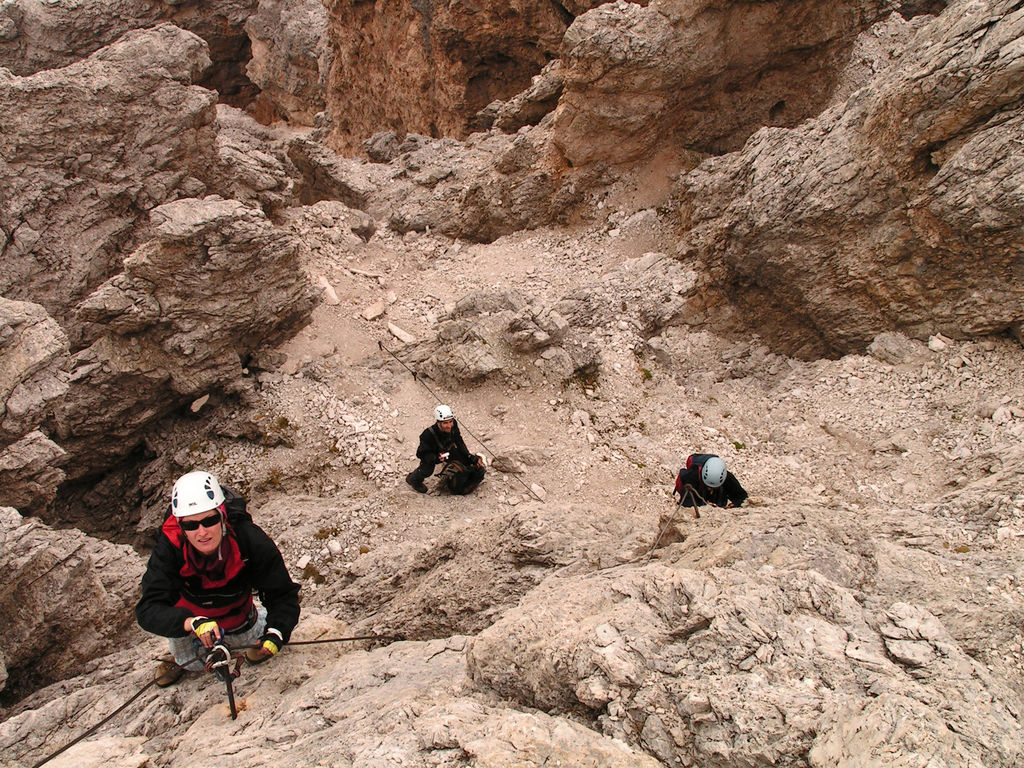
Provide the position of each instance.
(442, 443)
(198, 587)
(705, 480)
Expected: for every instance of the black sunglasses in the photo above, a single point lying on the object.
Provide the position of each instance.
(206, 522)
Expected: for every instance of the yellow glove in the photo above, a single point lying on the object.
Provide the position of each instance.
(207, 630)
(270, 644)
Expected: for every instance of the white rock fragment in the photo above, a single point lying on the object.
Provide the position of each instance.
(330, 295)
(404, 336)
(373, 311)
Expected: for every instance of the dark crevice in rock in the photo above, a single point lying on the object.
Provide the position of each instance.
(104, 505)
(921, 8)
(565, 14)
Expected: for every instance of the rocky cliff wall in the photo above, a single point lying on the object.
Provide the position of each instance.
(892, 210)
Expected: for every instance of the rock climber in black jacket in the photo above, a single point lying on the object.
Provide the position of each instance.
(442, 443)
(705, 480)
(198, 587)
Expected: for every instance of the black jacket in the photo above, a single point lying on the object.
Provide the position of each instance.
(434, 442)
(262, 571)
(729, 491)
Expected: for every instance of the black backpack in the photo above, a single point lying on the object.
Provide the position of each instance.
(693, 460)
(459, 479)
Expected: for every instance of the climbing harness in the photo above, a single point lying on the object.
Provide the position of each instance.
(218, 661)
(416, 378)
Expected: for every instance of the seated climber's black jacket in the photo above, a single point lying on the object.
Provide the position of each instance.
(434, 441)
(172, 591)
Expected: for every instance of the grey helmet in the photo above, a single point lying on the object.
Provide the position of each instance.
(713, 473)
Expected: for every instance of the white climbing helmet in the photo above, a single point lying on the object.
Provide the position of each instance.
(712, 474)
(194, 493)
(443, 413)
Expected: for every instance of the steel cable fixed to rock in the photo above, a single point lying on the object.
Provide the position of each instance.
(416, 378)
(226, 676)
(688, 490)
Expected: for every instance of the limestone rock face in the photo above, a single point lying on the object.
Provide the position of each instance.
(86, 151)
(892, 211)
(424, 714)
(63, 595)
(33, 350)
(217, 282)
(459, 581)
(252, 162)
(30, 472)
(700, 76)
(291, 58)
(37, 36)
(699, 667)
(430, 67)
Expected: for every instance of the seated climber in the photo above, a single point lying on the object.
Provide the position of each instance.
(705, 480)
(198, 587)
(442, 443)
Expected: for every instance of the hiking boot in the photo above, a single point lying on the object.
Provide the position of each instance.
(417, 485)
(168, 673)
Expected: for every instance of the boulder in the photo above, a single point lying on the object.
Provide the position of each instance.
(890, 212)
(87, 151)
(290, 59)
(40, 36)
(64, 596)
(217, 282)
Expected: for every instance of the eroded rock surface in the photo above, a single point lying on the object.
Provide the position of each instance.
(291, 59)
(33, 351)
(718, 665)
(700, 76)
(38, 36)
(216, 283)
(429, 67)
(87, 151)
(65, 597)
(905, 187)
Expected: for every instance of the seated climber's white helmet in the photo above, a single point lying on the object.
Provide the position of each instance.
(194, 493)
(443, 413)
(712, 474)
